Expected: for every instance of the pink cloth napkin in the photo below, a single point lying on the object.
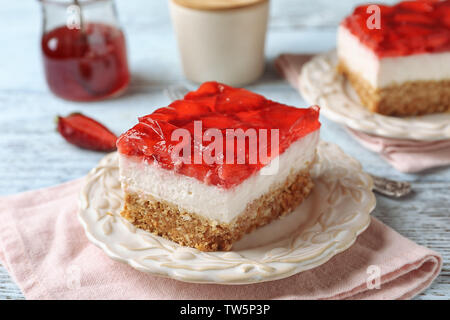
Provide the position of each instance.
(404, 155)
(45, 250)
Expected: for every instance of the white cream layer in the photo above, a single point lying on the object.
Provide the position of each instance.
(215, 203)
(384, 72)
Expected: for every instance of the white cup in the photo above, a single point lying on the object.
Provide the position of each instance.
(221, 42)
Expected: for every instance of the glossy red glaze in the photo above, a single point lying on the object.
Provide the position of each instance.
(410, 27)
(221, 107)
(88, 65)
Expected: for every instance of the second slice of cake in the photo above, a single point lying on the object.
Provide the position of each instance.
(399, 66)
(205, 197)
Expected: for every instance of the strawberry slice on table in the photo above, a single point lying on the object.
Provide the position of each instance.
(86, 133)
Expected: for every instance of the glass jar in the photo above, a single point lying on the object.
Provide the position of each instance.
(84, 50)
(221, 40)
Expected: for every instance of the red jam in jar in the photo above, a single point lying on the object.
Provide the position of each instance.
(85, 64)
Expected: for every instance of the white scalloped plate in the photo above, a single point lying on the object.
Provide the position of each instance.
(327, 223)
(320, 84)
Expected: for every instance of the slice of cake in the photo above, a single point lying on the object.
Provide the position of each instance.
(214, 166)
(398, 61)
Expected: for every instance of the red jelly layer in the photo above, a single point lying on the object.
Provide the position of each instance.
(410, 27)
(222, 107)
(85, 65)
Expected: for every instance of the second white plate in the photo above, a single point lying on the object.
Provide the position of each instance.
(320, 84)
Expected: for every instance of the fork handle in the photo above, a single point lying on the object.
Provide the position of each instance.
(391, 188)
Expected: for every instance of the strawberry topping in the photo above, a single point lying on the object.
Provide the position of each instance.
(219, 108)
(410, 27)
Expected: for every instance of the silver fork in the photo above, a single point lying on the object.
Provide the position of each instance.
(384, 186)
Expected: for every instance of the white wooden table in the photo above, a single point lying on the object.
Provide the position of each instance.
(34, 156)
